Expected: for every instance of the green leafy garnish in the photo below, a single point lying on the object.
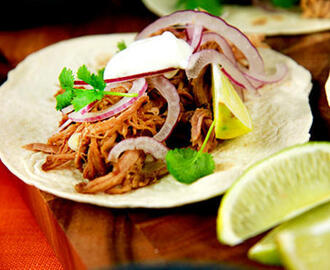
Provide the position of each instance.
(284, 3)
(80, 98)
(215, 7)
(188, 165)
(121, 45)
(212, 6)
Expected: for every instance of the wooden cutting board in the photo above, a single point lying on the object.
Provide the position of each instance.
(90, 237)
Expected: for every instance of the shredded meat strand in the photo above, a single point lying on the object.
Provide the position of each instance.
(315, 8)
(200, 123)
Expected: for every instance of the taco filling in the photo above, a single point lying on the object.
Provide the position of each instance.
(157, 94)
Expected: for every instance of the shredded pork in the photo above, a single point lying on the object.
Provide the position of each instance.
(145, 117)
(315, 8)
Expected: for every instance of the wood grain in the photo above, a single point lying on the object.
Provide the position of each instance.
(90, 237)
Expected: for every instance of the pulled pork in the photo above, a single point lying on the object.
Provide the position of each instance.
(315, 8)
(145, 117)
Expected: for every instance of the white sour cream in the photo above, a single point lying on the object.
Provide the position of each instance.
(150, 54)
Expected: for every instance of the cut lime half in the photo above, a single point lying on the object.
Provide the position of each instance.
(266, 250)
(231, 117)
(307, 244)
(274, 190)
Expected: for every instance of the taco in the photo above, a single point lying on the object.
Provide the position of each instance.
(112, 150)
(259, 16)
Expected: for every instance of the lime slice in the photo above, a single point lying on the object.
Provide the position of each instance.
(274, 190)
(266, 251)
(231, 117)
(307, 245)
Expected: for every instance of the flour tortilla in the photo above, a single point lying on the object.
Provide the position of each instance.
(281, 117)
(255, 20)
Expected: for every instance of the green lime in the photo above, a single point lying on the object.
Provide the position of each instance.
(266, 251)
(231, 117)
(274, 190)
(307, 245)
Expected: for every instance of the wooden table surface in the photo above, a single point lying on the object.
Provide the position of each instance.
(87, 236)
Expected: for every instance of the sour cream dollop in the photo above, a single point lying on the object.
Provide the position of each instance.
(149, 54)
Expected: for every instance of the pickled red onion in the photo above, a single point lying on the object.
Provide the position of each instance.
(139, 86)
(214, 24)
(147, 144)
(169, 92)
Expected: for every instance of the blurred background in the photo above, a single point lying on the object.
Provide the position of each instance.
(26, 26)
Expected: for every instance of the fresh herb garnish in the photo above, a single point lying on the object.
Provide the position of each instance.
(80, 98)
(211, 6)
(284, 3)
(121, 45)
(188, 165)
(215, 7)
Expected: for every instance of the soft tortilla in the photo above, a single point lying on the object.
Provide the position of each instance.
(251, 19)
(281, 117)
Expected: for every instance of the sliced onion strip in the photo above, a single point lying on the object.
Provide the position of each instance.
(139, 86)
(202, 58)
(281, 71)
(147, 144)
(169, 92)
(214, 24)
(224, 45)
(194, 33)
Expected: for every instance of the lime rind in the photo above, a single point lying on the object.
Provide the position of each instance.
(266, 250)
(232, 235)
(307, 248)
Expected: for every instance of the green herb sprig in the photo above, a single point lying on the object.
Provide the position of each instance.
(121, 45)
(211, 6)
(215, 7)
(80, 98)
(187, 165)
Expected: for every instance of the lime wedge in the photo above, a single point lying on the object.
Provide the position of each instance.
(307, 245)
(274, 190)
(231, 117)
(266, 251)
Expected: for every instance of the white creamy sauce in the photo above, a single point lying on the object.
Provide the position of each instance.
(150, 54)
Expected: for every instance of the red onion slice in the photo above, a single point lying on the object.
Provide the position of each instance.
(132, 77)
(139, 86)
(169, 92)
(224, 45)
(70, 109)
(194, 33)
(147, 144)
(214, 24)
(67, 109)
(202, 58)
(281, 71)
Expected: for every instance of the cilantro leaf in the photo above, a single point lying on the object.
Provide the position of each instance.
(284, 3)
(66, 79)
(121, 45)
(80, 98)
(212, 6)
(63, 100)
(85, 97)
(188, 165)
(94, 80)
